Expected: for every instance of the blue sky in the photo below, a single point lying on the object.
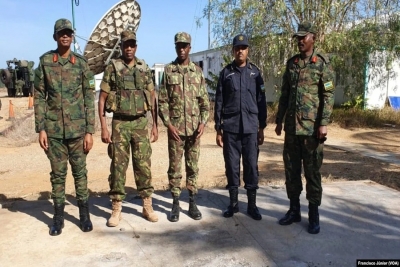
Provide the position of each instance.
(27, 26)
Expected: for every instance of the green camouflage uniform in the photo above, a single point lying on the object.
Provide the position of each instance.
(307, 99)
(130, 87)
(64, 108)
(19, 85)
(183, 102)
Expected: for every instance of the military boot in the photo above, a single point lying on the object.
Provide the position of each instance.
(313, 219)
(148, 212)
(234, 203)
(252, 209)
(58, 220)
(293, 214)
(84, 217)
(174, 215)
(194, 212)
(116, 215)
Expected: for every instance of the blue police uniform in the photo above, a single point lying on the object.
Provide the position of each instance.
(240, 110)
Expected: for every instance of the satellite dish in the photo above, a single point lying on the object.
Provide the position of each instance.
(103, 44)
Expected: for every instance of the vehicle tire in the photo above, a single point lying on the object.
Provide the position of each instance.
(5, 76)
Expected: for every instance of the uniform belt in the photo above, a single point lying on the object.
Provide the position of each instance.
(127, 117)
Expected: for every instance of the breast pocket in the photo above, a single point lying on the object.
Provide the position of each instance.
(174, 82)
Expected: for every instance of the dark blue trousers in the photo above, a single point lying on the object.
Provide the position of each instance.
(235, 147)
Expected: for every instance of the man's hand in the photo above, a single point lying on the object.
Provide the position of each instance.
(87, 143)
(154, 134)
(218, 139)
(200, 130)
(260, 137)
(173, 133)
(43, 140)
(322, 132)
(278, 129)
(105, 136)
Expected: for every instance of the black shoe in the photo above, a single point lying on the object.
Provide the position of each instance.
(313, 219)
(174, 214)
(194, 212)
(58, 220)
(252, 209)
(293, 214)
(84, 217)
(231, 210)
(233, 206)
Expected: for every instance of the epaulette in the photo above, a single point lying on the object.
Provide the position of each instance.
(48, 52)
(194, 66)
(325, 58)
(79, 55)
(293, 59)
(251, 63)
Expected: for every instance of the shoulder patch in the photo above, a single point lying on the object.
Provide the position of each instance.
(328, 85)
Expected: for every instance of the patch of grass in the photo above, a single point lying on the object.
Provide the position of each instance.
(366, 118)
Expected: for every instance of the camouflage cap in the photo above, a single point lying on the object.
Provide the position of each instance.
(183, 37)
(63, 24)
(240, 39)
(304, 28)
(128, 35)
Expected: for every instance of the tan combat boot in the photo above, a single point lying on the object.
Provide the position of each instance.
(148, 212)
(116, 213)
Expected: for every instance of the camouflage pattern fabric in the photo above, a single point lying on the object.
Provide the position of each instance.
(191, 147)
(308, 149)
(59, 153)
(64, 96)
(307, 95)
(183, 102)
(182, 37)
(63, 24)
(129, 87)
(132, 86)
(183, 98)
(126, 134)
(19, 85)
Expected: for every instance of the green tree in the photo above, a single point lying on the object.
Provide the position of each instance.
(349, 30)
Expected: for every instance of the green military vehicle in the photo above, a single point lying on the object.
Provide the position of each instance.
(18, 77)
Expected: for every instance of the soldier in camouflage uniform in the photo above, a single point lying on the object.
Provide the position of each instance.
(19, 85)
(240, 117)
(184, 109)
(127, 90)
(307, 100)
(64, 119)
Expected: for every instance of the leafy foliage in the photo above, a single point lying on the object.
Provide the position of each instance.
(348, 31)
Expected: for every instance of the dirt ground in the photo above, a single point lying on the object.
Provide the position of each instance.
(24, 168)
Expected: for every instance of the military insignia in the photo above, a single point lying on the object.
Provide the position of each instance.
(91, 83)
(241, 38)
(328, 85)
(262, 88)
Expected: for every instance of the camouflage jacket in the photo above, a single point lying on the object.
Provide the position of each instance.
(183, 98)
(307, 95)
(64, 96)
(130, 86)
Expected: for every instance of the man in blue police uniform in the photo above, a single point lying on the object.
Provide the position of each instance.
(240, 118)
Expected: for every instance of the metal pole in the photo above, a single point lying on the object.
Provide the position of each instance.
(209, 42)
(73, 21)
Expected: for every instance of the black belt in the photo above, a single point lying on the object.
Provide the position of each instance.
(127, 117)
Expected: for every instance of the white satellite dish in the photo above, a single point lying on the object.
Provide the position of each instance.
(103, 44)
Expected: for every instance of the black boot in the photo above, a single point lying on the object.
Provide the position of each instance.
(174, 215)
(233, 206)
(58, 220)
(313, 219)
(252, 209)
(194, 212)
(293, 214)
(84, 217)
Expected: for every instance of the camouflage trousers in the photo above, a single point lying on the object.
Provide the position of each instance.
(59, 152)
(300, 149)
(191, 146)
(128, 135)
